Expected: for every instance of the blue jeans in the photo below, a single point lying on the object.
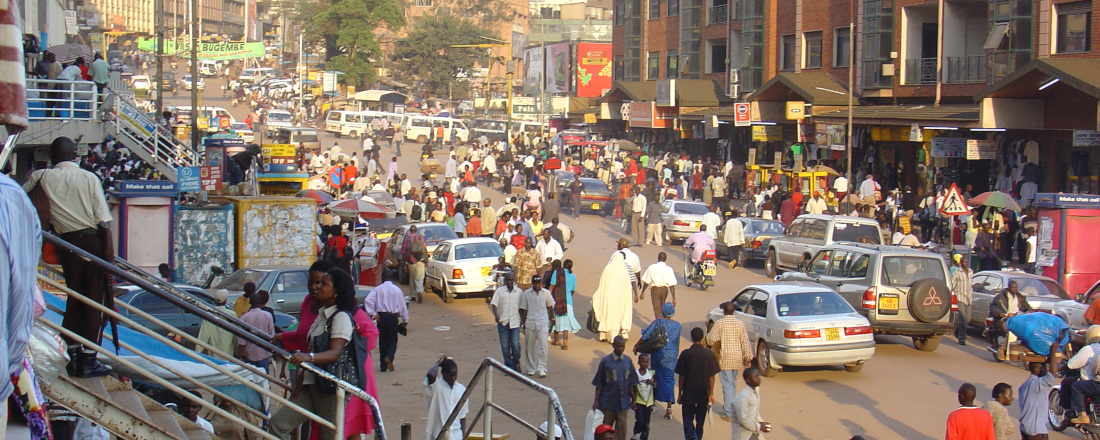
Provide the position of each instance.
(728, 378)
(509, 345)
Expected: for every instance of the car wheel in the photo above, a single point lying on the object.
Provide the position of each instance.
(928, 343)
(853, 368)
(771, 266)
(743, 259)
(421, 139)
(764, 360)
(337, 134)
(447, 297)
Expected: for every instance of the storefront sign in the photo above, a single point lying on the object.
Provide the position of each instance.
(830, 135)
(766, 133)
(666, 92)
(589, 118)
(1086, 138)
(278, 154)
(136, 188)
(188, 179)
(980, 149)
(752, 157)
(210, 178)
(641, 114)
(207, 51)
(948, 147)
(525, 105)
(665, 117)
(796, 110)
(136, 120)
(915, 133)
(741, 114)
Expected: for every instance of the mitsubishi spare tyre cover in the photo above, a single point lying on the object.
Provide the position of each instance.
(929, 300)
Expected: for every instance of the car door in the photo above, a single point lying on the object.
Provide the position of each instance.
(757, 324)
(828, 267)
(786, 248)
(437, 265)
(743, 311)
(288, 290)
(985, 288)
(849, 278)
(1077, 311)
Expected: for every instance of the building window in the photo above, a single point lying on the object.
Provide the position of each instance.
(673, 8)
(716, 56)
(654, 9)
(752, 45)
(878, 42)
(620, 12)
(423, 3)
(1010, 39)
(672, 60)
(617, 75)
(653, 65)
(842, 48)
(691, 39)
(632, 41)
(811, 47)
(1074, 26)
(786, 56)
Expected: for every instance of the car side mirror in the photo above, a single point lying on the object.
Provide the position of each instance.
(1080, 297)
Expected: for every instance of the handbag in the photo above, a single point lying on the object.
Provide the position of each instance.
(558, 291)
(349, 365)
(593, 325)
(654, 342)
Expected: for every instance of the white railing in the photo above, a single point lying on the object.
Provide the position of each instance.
(52, 99)
(138, 130)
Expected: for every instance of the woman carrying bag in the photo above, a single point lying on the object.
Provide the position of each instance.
(663, 358)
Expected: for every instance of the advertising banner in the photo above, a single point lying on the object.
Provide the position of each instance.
(593, 69)
(207, 51)
(741, 115)
(766, 133)
(666, 92)
(559, 59)
(642, 114)
(532, 69)
(948, 147)
(980, 149)
(278, 154)
(252, 22)
(830, 136)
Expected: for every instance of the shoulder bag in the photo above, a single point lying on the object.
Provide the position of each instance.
(349, 365)
(654, 342)
(559, 293)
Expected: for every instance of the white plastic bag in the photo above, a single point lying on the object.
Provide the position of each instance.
(47, 352)
(593, 419)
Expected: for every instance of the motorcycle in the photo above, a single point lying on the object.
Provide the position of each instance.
(1056, 414)
(702, 274)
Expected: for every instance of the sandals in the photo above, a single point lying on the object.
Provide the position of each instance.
(668, 414)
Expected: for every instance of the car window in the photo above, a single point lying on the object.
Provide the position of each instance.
(839, 261)
(856, 266)
(437, 234)
(1039, 286)
(856, 232)
(759, 304)
(978, 282)
(478, 250)
(903, 271)
(665, 207)
(291, 282)
(238, 279)
(796, 229)
(993, 284)
(816, 230)
(820, 264)
(766, 228)
(152, 304)
(442, 253)
(741, 302)
(690, 208)
(812, 304)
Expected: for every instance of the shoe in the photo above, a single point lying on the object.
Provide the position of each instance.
(726, 419)
(387, 364)
(1081, 419)
(542, 373)
(668, 414)
(962, 342)
(530, 373)
(88, 366)
(564, 346)
(74, 361)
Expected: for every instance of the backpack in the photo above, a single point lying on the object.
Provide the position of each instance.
(418, 251)
(417, 212)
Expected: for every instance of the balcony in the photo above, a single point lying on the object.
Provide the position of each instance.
(920, 71)
(718, 15)
(965, 70)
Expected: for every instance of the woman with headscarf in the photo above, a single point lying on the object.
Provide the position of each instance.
(612, 301)
(664, 359)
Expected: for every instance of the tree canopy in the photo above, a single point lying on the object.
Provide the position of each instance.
(347, 30)
(426, 55)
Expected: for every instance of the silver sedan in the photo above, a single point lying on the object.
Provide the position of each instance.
(681, 218)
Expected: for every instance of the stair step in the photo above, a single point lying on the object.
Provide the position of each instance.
(126, 399)
(197, 434)
(112, 404)
(92, 385)
(163, 419)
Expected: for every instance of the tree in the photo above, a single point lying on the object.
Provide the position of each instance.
(346, 27)
(427, 56)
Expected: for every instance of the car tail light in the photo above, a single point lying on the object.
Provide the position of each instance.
(801, 334)
(954, 303)
(680, 223)
(457, 274)
(869, 297)
(756, 244)
(861, 330)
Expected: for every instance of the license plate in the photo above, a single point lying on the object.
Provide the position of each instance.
(695, 225)
(709, 268)
(888, 303)
(486, 271)
(832, 334)
(595, 206)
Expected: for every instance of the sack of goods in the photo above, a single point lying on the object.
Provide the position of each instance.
(1038, 330)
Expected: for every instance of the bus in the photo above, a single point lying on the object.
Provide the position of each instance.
(420, 128)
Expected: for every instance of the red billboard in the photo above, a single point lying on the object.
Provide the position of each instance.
(593, 69)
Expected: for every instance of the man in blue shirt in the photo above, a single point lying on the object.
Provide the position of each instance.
(615, 380)
(1034, 403)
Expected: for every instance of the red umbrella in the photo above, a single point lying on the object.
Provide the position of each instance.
(360, 207)
(996, 199)
(319, 196)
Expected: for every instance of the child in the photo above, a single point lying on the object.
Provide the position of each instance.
(190, 410)
(263, 321)
(643, 398)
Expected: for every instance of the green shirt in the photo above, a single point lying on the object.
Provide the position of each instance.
(98, 71)
(645, 160)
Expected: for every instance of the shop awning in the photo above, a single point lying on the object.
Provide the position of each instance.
(380, 96)
(699, 93)
(723, 113)
(623, 91)
(1045, 77)
(963, 115)
(817, 88)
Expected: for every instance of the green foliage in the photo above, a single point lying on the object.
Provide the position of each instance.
(426, 55)
(346, 28)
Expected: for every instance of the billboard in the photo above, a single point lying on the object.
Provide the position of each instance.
(559, 61)
(593, 69)
(532, 69)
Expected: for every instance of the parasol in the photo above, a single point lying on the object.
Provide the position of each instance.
(995, 199)
(826, 169)
(360, 207)
(319, 196)
(13, 108)
(67, 53)
(625, 145)
(851, 198)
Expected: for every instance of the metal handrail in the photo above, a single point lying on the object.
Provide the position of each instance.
(555, 414)
(65, 96)
(206, 312)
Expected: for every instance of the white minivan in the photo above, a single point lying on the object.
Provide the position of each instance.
(346, 123)
(208, 68)
(420, 128)
(254, 74)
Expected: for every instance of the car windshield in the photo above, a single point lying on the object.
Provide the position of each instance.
(280, 117)
(767, 228)
(239, 126)
(857, 233)
(593, 185)
(489, 125)
(564, 176)
(436, 234)
(690, 208)
(478, 250)
(305, 137)
(1039, 286)
(237, 280)
(903, 271)
(812, 304)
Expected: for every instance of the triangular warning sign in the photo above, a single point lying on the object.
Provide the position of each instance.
(953, 203)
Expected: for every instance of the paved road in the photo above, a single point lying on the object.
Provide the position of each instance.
(900, 394)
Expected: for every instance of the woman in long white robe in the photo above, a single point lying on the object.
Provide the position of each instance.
(612, 301)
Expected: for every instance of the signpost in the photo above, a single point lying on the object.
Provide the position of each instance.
(953, 205)
(741, 116)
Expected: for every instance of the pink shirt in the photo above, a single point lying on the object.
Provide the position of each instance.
(261, 320)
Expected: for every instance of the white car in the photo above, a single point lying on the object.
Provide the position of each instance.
(276, 119)
(463, 266)
(800, 324)
(243, 131)
(187, 83)
(1073, 311)
(140, 82)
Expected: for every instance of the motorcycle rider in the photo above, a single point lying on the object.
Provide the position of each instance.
(1008, 303)
(1087, 386)
(702, 242)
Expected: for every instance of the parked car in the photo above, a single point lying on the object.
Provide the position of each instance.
(244, 131)
(681, 218)
(434, 234)
(287, 284)
(1073, 311)
(595, 196)
(140, 82)
(758, 234)
(808, 233)
(800, 324)
(901, 291)
(1042, 293)
(199, 84)
(170, 313)
(463, 266)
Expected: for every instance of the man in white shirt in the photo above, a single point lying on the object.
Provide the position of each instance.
(505, 305)
(406, 185)
(747, 423)
(472, 194)
(536, 311)
(443, 396)
(840, 186)
(637, 217)
(661, 280)
(713, 221)
(867, 191)
(733, 234)
(549, 250)
(816, 205)
(451, 169)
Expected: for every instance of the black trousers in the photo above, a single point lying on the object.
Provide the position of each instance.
(387, 336)
(694, 414)
(642, 416)
(87, 280)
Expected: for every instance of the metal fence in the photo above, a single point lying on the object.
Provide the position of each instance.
(920, 71)
(965, 70)
(53, 99)
(718, 15)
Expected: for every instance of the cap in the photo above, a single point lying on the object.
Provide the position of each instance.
(604, 428)
(220, 296)
(624, 242)
(957, 258)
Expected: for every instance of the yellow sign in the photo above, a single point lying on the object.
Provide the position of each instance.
(204, 123)
(903, 224)
(766, 133)
(278, 150)
(589, 118)
(796, 110)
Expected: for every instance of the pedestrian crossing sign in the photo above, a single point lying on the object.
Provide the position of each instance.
(953, 203)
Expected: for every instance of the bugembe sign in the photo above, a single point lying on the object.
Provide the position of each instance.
(207, 51)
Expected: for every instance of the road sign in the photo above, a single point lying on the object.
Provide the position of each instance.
(953, 203)
(741, 114)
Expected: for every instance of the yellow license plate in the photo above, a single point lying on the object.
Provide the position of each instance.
(695, 225)
(888, 303)
(595, 206)
(832, 334)
(485, 271)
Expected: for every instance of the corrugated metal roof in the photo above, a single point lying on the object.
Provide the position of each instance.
(689, 92)
(957, 113)
(1082, 74)
(817, 88)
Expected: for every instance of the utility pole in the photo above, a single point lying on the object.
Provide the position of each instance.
(195, 137)
(158, 19)
(851, 87)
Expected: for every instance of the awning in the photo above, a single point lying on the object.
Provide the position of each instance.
(1046, 76)
(817, 88)
(720, 112)
(699, 93)
(623, 91)
(380, 96)
(964, 115)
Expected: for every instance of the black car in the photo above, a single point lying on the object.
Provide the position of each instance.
(171, 314)
(758, 233)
